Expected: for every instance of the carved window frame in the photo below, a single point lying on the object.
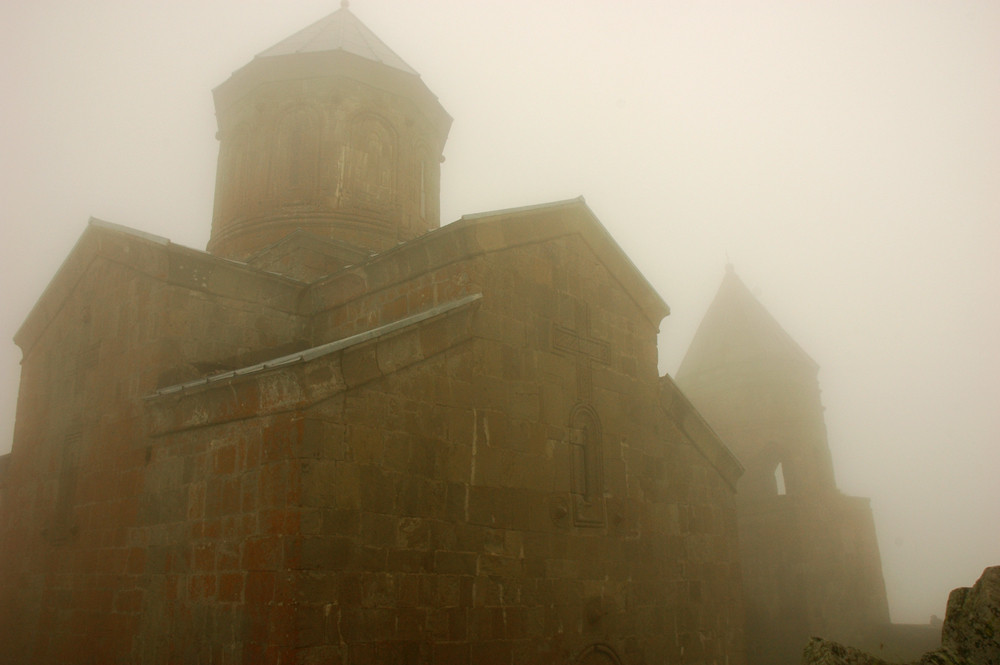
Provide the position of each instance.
(586, 444)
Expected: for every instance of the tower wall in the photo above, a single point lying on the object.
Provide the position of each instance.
(770, 414)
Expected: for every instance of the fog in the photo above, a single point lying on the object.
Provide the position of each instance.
(844, 156)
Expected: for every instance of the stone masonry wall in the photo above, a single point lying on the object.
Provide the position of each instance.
(132, 310)
(454, 529)
(499, 486)
(216, 521)
(807, 570)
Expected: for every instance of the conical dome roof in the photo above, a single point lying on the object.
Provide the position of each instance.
(331, 133)
(340, 31)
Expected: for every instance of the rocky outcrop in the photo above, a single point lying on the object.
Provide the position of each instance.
(971, 631)
(970, 634)
(824, 652)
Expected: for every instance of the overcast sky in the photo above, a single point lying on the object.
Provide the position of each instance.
(845, 156)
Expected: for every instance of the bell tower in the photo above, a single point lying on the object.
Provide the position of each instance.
(808, 553)
(759, 390)
(329, 132)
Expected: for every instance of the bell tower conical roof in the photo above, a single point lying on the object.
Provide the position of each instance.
(759, 390)
(328, 132)
(737, 328)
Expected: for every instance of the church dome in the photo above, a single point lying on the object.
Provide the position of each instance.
(329, 132)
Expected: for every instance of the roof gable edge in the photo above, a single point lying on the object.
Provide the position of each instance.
(96, 241)
(698, 432)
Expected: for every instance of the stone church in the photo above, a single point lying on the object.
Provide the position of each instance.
(347, 434)
(809, 555)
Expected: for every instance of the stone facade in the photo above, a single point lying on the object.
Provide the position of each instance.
(359, 438)
(809, 554)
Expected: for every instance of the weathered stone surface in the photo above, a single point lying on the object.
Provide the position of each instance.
(971, 631)
(823, 652)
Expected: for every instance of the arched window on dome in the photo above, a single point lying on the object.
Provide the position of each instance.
(371, 163)
(241, 187)
(295, 159)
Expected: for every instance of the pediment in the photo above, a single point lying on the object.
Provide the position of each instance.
(493, 232)
(158, 258)
(503, 229)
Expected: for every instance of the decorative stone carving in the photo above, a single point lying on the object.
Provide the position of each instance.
(587, 449)
(598, 654)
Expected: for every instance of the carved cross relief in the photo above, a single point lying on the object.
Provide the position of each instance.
(584, 434)
(583, 346)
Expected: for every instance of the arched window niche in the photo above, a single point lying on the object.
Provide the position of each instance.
(426, 183)
(598, 654)
(295, 159)
(587, 480)
(370, 162)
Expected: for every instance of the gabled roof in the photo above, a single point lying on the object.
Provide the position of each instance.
(159, 259)
(698, 432)
(497, 231)
(572, 216)
(738, 329)
(340, 31)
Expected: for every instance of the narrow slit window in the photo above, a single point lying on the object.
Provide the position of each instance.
(779, 479)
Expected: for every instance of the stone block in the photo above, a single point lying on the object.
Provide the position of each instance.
(500, 566)
(397, 351)
(377, 489)
(359, 364)
(320, 655)
(413, 534)
(454, 563)
(329, 553)
(323, 440)
(452, 653)
(261, 553)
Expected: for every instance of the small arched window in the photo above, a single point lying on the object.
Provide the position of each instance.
(242, 158)
(587, 448)
(371, 163)
(426, 182)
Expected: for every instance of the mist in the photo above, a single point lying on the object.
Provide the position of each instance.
(844, 157)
